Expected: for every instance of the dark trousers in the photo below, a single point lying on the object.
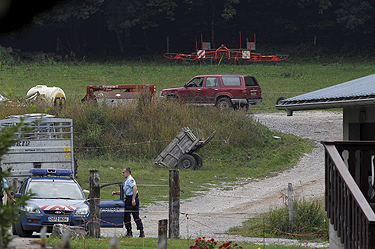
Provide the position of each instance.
(134, 210)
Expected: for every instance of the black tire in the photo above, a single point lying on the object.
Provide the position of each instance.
(172, 98)
(21, 232)
(224, 103)
(187, 162)
(198, 158)
(278, 101)
(242, 107)
(14, 232)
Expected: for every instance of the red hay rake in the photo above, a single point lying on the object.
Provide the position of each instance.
(221, 53)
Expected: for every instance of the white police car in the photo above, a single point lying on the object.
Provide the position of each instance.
(58, 198)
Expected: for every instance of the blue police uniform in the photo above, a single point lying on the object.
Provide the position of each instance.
(4, 185)
(129, 208)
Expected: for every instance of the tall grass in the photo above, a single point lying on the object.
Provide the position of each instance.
(143, 130)
(309, 222)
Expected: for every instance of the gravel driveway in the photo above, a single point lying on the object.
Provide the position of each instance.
(215, 211)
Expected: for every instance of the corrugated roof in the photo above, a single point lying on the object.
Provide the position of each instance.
(358, 92)
(355, 88)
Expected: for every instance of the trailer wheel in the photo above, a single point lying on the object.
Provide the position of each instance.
(278, 101)
(198, 158)
(187, 162)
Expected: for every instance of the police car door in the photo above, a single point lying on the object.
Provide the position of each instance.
(112, 211)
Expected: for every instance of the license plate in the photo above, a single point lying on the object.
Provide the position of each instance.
(58, 219)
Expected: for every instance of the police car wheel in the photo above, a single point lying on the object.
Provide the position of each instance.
(14, 232)
(21, 232)
(187, 162)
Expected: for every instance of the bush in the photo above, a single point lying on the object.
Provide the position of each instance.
(143, 130)
(8, 211)
(309, 223)
(309, 219)
(5, 57)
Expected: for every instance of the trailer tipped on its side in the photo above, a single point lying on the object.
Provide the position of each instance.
(182, 151)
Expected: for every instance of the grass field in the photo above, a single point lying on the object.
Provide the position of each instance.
(286, 79)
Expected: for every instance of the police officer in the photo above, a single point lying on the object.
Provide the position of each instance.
(131, 203)
(5, 187)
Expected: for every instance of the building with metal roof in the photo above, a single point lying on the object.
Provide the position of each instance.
(354, 93)
(356, 97)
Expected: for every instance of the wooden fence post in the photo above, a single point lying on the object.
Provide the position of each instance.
(290, 202)
(174, 203)
(162, 234)
(94, 225)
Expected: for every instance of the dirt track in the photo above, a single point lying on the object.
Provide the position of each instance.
(215, 211)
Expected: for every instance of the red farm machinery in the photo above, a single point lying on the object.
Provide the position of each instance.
(221, 53)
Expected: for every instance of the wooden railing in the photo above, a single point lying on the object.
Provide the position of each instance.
(348, 192)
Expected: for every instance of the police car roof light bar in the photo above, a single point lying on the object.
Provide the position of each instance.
(57, 172)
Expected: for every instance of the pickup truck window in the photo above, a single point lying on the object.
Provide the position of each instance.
(196, 82)
(212, 82)
(231, 81)
(249, 81)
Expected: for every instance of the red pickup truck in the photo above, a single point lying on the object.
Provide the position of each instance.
(220, 90)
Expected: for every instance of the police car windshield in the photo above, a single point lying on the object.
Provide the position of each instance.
(55, 190)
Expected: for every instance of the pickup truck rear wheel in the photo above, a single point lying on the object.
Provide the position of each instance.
(187, 162)
(224, 103)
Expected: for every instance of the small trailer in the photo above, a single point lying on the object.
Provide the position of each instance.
(181, 152)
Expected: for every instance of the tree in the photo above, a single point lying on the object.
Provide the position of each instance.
(211, 13)
(125, 14)
(353, 14)
(7, 212)
(68, 16)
